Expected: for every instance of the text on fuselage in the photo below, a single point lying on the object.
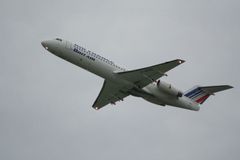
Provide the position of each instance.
(82, 51)
(90, 55)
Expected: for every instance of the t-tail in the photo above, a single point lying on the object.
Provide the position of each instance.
(200, 94)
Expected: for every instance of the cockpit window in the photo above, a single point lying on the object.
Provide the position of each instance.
(58, 39)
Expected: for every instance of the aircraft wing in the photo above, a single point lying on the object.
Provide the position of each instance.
(110, 93)
(144, 76)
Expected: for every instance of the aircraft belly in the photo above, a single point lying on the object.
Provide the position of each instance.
(154, 100)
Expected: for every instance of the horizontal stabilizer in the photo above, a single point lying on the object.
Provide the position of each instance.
(214, 89)
(200, 94)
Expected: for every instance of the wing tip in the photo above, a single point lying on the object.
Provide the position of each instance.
(180, 61)
(95, 107)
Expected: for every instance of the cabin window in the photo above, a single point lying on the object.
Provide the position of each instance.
(58, 39)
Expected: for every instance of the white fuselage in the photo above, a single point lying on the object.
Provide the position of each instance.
(106, 69)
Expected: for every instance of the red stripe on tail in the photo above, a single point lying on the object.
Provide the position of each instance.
(202, 99)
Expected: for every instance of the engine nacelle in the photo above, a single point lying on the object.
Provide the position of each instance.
(167, 88)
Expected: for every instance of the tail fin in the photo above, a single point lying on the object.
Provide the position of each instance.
(200, 94)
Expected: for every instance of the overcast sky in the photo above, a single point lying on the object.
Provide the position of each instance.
(45, 102)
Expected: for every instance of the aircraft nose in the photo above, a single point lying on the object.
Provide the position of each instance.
(44, 44)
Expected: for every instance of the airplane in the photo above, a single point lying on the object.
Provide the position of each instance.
(120, 83)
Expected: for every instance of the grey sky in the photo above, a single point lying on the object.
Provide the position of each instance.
(45, 104)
